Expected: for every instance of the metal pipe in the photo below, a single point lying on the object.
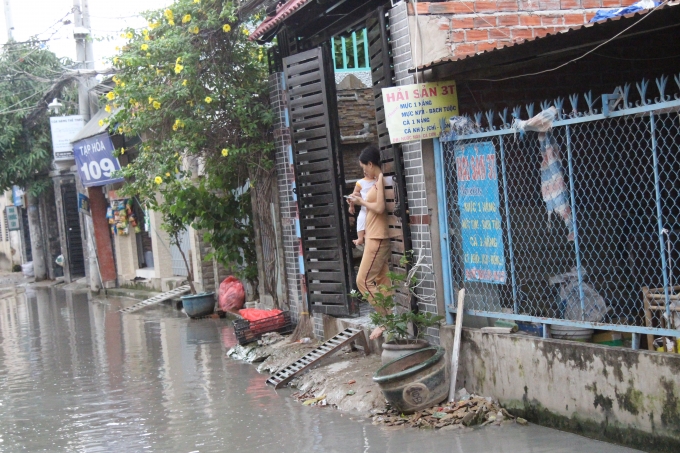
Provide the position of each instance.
(509, 229)
(577, 250)
(659, 217)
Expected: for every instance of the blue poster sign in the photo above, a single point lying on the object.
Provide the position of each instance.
(481, 227)
(95, 160)
(17, 196)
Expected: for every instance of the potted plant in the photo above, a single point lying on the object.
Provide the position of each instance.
(398, 322)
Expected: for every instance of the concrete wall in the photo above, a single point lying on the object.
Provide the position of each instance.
(614, 394)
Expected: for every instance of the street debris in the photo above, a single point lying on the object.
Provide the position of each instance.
(471, 410)
(270, 338)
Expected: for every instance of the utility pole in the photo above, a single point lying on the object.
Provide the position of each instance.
(8, 21)
(85, 58)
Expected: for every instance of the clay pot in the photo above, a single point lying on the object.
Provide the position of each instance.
(415, 381)
(392, 350)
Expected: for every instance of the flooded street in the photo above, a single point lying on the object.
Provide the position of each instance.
(77, 375)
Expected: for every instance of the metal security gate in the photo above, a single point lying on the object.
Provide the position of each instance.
(74, 240)
(179, 269)
(324, 229)
(578, 226)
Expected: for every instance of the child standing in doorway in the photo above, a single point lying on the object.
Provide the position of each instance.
(360, 191)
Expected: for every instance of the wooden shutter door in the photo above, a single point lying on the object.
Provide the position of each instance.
(318, 177)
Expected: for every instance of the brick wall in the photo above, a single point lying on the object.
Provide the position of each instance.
(413, 164)
(476, 26)
(285, 177)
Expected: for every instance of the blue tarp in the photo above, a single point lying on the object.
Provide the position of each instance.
(609, 13)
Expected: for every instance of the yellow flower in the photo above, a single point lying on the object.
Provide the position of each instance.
(128, 35)
(122, 150)
(156, 105)
(117, 49)
(197, 1)
(158, 180)
(178, 124)
(226, 28)
(145, 47)
(110, 96)
(225, 152)
(101, 123)
(116, 80)
(167, 173)
(150, 99)
(116, 60)
(186, 18)
(208, 100)
(107, 108)
(184, 82)
(246, 32)
(122, 35)
(145, 32)
(153, 25)
(171, 22)
(178, 68)
(194, 29)
(168, 14)
(148, 55)
(179, 60)
(146, 38)
(120, 130)
(122, 84)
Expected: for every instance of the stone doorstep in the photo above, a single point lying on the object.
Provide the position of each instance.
(333, 326)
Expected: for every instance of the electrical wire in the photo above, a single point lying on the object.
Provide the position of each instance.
(580, 57)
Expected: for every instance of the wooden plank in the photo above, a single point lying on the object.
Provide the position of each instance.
(324, 276)
(320, 233)
(326, 288)
(314, 167)
(456, 345)
(314, 189)
(312, 156)
(320, 265)
(297, 80)
(310, 133)
(308, 122)
(315, 178)
(299, 103)
(309, 145)
(317, 210)
(302, 90)
(319, 221)
(325, 256)
(319, 243)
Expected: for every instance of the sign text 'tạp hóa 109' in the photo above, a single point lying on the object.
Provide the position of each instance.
(415, 112)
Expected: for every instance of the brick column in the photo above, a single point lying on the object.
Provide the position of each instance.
(413, 164)
(102, 236)
(285, 177)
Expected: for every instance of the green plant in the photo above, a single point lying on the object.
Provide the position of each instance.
(194, 88)
(394, 318)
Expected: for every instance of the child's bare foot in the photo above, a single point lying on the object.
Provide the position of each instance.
(377, 333)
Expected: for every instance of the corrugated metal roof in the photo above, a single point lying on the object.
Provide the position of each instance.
(92, 127)
(549, 35)
(270, 22)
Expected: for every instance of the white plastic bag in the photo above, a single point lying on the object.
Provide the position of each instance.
(27, 269)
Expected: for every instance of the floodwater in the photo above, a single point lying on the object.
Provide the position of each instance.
(78, 376)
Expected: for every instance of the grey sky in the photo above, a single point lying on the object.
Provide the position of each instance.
(35, 17)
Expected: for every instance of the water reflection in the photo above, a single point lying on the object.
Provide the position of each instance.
(77, 375)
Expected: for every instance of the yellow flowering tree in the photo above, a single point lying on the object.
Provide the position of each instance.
(194, 89)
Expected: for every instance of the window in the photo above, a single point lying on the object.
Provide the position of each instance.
(350, 52)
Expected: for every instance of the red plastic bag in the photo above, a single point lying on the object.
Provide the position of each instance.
(232, 295)
(255, 314)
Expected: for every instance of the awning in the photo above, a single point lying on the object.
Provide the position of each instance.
(92, 127)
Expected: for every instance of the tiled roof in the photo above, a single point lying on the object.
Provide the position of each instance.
(271, 22)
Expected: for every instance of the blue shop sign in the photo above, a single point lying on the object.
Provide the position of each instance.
(481, 227)
(95, 160)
